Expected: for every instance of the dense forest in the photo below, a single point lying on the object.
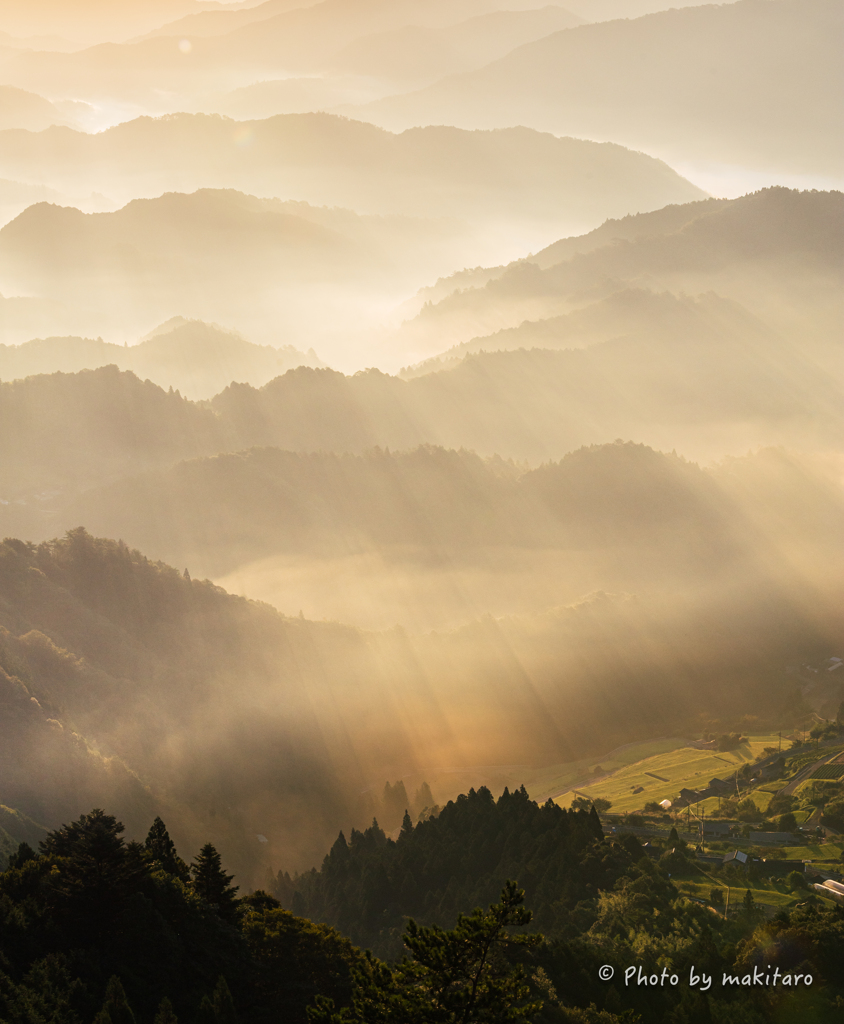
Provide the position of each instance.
(94, 927)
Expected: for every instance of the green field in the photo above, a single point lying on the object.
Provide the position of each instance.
(550, 781)
(816, 852)
(769, 897)
(680, 767)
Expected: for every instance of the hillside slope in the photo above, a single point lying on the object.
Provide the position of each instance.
(777, 252)
(175, 678)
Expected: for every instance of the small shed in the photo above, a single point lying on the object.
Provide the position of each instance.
(736, 857)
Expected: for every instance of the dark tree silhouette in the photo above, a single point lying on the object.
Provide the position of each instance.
(165, 1014)
(115, 1008)
(460, 975)
(161, 849)
(95, 874)
(213, 884)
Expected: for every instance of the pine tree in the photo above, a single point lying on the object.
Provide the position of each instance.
(460, 975)
(224, 1004)
(161, 849)
(165, 1013)
(205, 1014)
(406, 826)
(424, 798)
(213, 884)
(115, 1008)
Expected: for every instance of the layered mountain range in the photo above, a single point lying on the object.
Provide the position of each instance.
(402, 385)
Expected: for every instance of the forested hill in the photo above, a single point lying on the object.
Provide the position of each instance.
(128, 684)
(70, 430)
(369, 885)
(759, 250)
(192, 357)
(216, 513)
(93, 927)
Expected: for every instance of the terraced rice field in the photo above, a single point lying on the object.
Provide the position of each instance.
(681, 767)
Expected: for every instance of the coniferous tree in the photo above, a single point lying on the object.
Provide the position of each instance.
(224, 1004)
(115, 1008)
(23, 853)
(205, 1014)
(213, 884)
(406, 826)
(165, 1014)
(460, 975)
(96, 872)
(595, 822)
(161, 849)
(424, 798)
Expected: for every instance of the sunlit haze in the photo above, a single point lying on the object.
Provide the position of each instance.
(401, 400)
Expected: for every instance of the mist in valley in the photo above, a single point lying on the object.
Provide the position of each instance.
(399, 398)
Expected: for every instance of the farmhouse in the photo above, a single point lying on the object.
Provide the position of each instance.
(736, 857)
(772, 838)
(716, 828)
(719, 787)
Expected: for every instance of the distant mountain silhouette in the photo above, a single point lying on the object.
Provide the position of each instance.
(91, 21)
(60, 429)
(21, 109)
(218, 255)
(463, 195)
(217, 20)
(628, 313)
(268, 40)
(745, 83)
(414, 53)
(721, 386)
(16, 196)
(499, 177)
(376, 64)
(195, 358)
(25, 317)
(760, 250)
